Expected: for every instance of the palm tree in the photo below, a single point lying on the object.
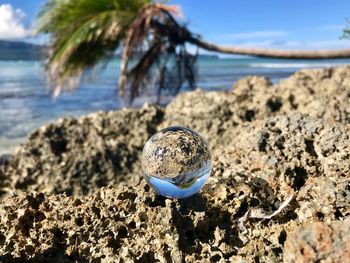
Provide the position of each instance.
(85, 32)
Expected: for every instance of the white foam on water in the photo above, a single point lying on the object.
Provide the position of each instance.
(294, 65)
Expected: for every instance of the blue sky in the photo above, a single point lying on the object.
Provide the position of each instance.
(277, 24)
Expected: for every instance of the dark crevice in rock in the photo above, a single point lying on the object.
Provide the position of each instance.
(310, 147)
(147, 257)
(215, 258)
(262, 141)
(282, 237)
(298, 177)
(159, 201)
(274, 104)
(57, 140)
(291, 100)
(249, 115)
(338, 215)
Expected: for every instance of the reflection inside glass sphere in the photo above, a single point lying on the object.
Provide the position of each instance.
(176, 162)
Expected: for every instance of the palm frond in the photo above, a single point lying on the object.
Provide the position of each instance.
(155, 29)
(83, 32)
(136, 35)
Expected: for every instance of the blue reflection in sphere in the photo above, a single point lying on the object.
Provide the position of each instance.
(176, 162)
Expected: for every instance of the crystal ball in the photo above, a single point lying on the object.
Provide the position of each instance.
(176, 162)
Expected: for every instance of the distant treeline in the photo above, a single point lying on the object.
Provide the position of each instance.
(10, 50)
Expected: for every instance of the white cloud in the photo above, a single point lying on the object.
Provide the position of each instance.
(11, 23)
(253, 35)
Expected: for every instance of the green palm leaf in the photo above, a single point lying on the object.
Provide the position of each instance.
(84, 32)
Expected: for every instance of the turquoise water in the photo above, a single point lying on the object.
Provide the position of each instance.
(26, 103)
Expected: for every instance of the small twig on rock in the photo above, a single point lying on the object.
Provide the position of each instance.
(257, 214)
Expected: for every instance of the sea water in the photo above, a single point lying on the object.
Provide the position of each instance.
(176, 162)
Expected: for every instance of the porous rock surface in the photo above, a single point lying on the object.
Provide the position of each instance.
(78, 156)
(318, 242)
(322, 93)
(266, 145)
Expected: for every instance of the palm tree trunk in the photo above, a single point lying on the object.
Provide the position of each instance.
(272, 53)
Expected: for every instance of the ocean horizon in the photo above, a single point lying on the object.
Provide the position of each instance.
(26, 102)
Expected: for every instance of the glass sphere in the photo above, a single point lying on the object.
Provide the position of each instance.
(176, 162)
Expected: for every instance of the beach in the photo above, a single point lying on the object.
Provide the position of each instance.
(26, 103)
(182, 131)
(278, 192)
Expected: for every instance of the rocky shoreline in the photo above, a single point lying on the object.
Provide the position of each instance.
(75, 192)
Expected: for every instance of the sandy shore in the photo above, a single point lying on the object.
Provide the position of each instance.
(270, 143)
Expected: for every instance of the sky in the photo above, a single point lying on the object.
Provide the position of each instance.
(311, 24)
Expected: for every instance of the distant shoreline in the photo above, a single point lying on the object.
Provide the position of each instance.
(12, 50)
